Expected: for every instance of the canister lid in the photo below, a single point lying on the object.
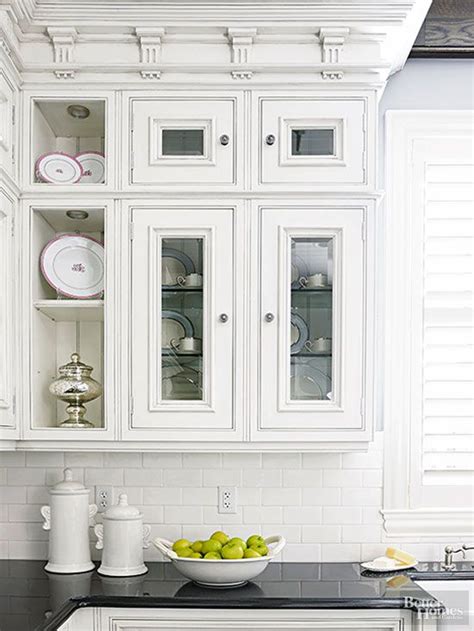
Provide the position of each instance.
(122, 510)
(68, 485)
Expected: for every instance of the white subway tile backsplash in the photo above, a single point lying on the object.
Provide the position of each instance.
(321, 534)
(338, 515)
(281, 497)
(115, 477)
(322, 461)
(302, 478)
(302, 514)
(326, 505)
(44, 459)
(181, 477)
(220, 477)
(200, 461)
(261, 477)
(163, 461)
(140, 477)
(362, 497)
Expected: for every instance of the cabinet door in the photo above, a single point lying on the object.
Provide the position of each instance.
(183, 141)
(182, 322)
(7, 311)
(313, 141)
(311, 323)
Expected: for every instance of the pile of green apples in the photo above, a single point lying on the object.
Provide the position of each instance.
(221, 546)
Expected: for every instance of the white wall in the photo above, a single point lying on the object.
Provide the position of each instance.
(327, 505)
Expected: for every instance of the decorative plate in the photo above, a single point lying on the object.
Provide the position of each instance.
(58, 168)
(298, 269)
(93, 167)
(374, 567)
(173, 264)
(74, 265)
(174, 325)
(299, 333)
(309, 381)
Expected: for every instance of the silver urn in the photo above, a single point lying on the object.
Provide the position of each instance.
(75, 386)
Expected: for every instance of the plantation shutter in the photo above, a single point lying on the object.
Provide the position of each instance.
(448, 325)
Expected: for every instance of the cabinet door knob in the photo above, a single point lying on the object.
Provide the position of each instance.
(223, 317)
(270, 139)
(269, 317)
(224, 140)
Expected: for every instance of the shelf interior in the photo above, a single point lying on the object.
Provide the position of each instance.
(71, 310)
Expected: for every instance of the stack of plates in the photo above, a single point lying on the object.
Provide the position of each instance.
(61, 168)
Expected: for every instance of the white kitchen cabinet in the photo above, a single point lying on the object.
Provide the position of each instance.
(312, 298)
(314, 141)
(8, 115)
(184, 322)
(184, 141)
(156, 619)
(8, 313)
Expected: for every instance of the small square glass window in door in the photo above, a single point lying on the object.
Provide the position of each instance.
(182, 142)
(312, 142)
(311, 323)
(182, 287)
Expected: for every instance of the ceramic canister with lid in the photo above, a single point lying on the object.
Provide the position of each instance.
(122, 537)
(68, 518)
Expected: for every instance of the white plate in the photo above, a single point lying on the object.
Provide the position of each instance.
(374, 567)
(93, 166)
(58, 168)
(74, 265)
(173, 264)
(173, 326)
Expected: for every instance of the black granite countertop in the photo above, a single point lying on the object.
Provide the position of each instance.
(33, 600)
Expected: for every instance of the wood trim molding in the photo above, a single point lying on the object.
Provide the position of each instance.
(426, 524)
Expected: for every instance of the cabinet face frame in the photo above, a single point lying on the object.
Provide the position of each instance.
(8, 125)
(355, 424)
(9, 342)
(111, 131)
(300, 173)
(227, 429)
(29, 430)
(208, 120)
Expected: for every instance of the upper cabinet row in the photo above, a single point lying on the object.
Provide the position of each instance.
(219, 141)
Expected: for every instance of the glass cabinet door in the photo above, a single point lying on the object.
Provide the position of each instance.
(182, 350)
(311, 331)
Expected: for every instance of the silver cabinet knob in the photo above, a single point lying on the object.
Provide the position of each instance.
(224, 140)
(223, 317)
(269, 317)
(270, 139)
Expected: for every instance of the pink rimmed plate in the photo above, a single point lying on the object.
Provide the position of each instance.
(74, 265)
(93, 167)
(58, 168)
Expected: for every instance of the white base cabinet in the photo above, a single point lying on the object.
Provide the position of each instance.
(130, 619)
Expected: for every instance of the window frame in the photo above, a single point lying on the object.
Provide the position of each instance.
(403, 517)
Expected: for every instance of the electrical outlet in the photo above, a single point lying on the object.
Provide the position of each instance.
(227, 499)
(103, 498)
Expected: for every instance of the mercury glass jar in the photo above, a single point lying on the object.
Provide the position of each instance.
(75, 386)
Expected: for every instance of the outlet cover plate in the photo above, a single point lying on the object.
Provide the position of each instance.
(103, 498)
(227, 500)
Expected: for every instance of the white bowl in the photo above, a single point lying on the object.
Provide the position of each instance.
(221, 572)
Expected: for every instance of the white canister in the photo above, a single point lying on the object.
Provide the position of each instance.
(122, 537)
(68, 518)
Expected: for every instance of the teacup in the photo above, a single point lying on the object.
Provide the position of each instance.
(191, 280)
(315, 280)
(186, 344)
(319, 344)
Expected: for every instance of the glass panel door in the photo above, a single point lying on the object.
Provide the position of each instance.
(182, 330)
(311, 326)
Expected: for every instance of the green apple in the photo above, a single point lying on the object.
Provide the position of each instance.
(239, 541)
(251, 553)
(211, 545)
(184, 552)
(195, 555)
(254, 539)
(181, 543)
(232, 551)
(261, 548)
(220, 536)
(213, 556)
(196, 546)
